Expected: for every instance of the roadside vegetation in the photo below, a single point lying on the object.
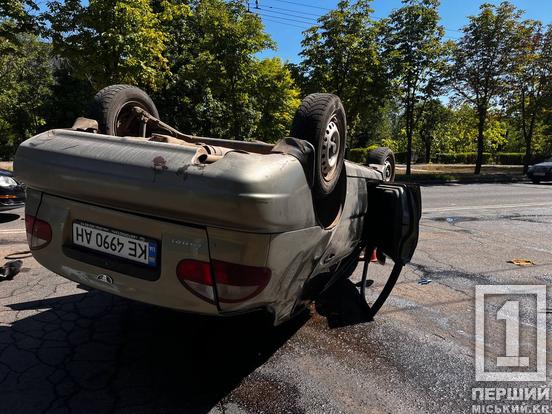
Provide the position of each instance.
(483, 97)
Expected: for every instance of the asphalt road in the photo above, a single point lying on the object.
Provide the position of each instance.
(66, 349)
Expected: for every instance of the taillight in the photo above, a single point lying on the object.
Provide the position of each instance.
(39, 232)
(196, 276)
(234, 282)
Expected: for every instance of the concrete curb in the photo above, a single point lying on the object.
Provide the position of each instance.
(470, 179)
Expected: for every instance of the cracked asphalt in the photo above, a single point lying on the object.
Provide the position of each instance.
(64, 348)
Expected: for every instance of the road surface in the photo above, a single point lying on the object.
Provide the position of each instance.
(66, 349)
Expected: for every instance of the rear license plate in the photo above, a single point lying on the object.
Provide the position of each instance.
(539, 174)
(116, 243)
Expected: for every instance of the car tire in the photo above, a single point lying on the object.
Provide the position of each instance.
(384, 156)
(112, 108)
(535, 180)
(321, 120)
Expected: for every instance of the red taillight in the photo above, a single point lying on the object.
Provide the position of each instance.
(39, 233)
(234, 283)
(196, 276)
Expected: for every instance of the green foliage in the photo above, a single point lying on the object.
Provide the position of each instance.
(16, 18)
(112, 41)
(482, 61)
(25, 85)
(510, 158)
(360, 155)
(217, 86)
(341, 55)
(462, 158)
(415, 59)
(276, 98)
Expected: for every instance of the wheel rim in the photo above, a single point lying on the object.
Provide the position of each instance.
(387, 170)
(330, 150)
(127, 122)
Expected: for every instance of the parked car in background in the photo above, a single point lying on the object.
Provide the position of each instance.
(540, 172)
(12, 193)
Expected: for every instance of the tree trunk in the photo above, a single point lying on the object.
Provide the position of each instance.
(527, 158)
(529, 143)
(480, 140)
(409, 133)
(428, 150)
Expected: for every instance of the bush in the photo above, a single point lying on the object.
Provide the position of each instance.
(510, 158)
(462, 158)
(360, 155)
(517, 158)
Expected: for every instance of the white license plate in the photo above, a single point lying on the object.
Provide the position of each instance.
(115, 242)
(539, 174)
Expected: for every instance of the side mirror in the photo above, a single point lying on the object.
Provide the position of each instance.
(393, 220)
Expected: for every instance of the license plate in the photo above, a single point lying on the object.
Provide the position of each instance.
(539, 174)
(116, 243)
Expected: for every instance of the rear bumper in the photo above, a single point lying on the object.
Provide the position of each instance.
(290, 256)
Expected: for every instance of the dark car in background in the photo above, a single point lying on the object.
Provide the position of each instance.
(12, 193)
(540, 172)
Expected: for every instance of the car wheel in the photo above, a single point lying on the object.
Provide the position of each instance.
(321, 120)
(535, 180)
(384, 156)
(112, 108)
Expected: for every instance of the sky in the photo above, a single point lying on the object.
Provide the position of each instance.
(286, 19)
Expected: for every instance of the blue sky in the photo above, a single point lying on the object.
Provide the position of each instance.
(286, 19)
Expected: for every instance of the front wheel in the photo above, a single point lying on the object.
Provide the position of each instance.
(384, 156)
(535, 180)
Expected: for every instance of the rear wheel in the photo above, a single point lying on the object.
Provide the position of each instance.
(384, 156)
(112, 108)
(321, 120)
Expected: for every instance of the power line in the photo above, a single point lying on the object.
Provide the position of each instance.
(277, 14)
(262, 7)
(303, 5)
(282, 23)
(299, 13)
(281, 18)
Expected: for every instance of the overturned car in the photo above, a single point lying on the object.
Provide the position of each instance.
(125, 203)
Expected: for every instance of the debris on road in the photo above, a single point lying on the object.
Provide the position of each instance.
(10, 269)
(424, 281)
(521, 262)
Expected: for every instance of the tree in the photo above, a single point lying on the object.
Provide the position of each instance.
(16, 17)
(433, 115)
(415, 56)
(341, 56)
(482, 60)
(25, 85)
(531, 78)
(218, 86)
(111, 41)
(276, 97)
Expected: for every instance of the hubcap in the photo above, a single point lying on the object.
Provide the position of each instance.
(330, 150)
(387, 171)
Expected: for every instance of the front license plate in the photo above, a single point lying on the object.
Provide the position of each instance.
(539, 174)
(114, 242)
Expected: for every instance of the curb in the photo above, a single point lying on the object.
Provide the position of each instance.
(489, 179)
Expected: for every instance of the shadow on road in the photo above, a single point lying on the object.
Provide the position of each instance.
(94, 352)
(7, 217)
